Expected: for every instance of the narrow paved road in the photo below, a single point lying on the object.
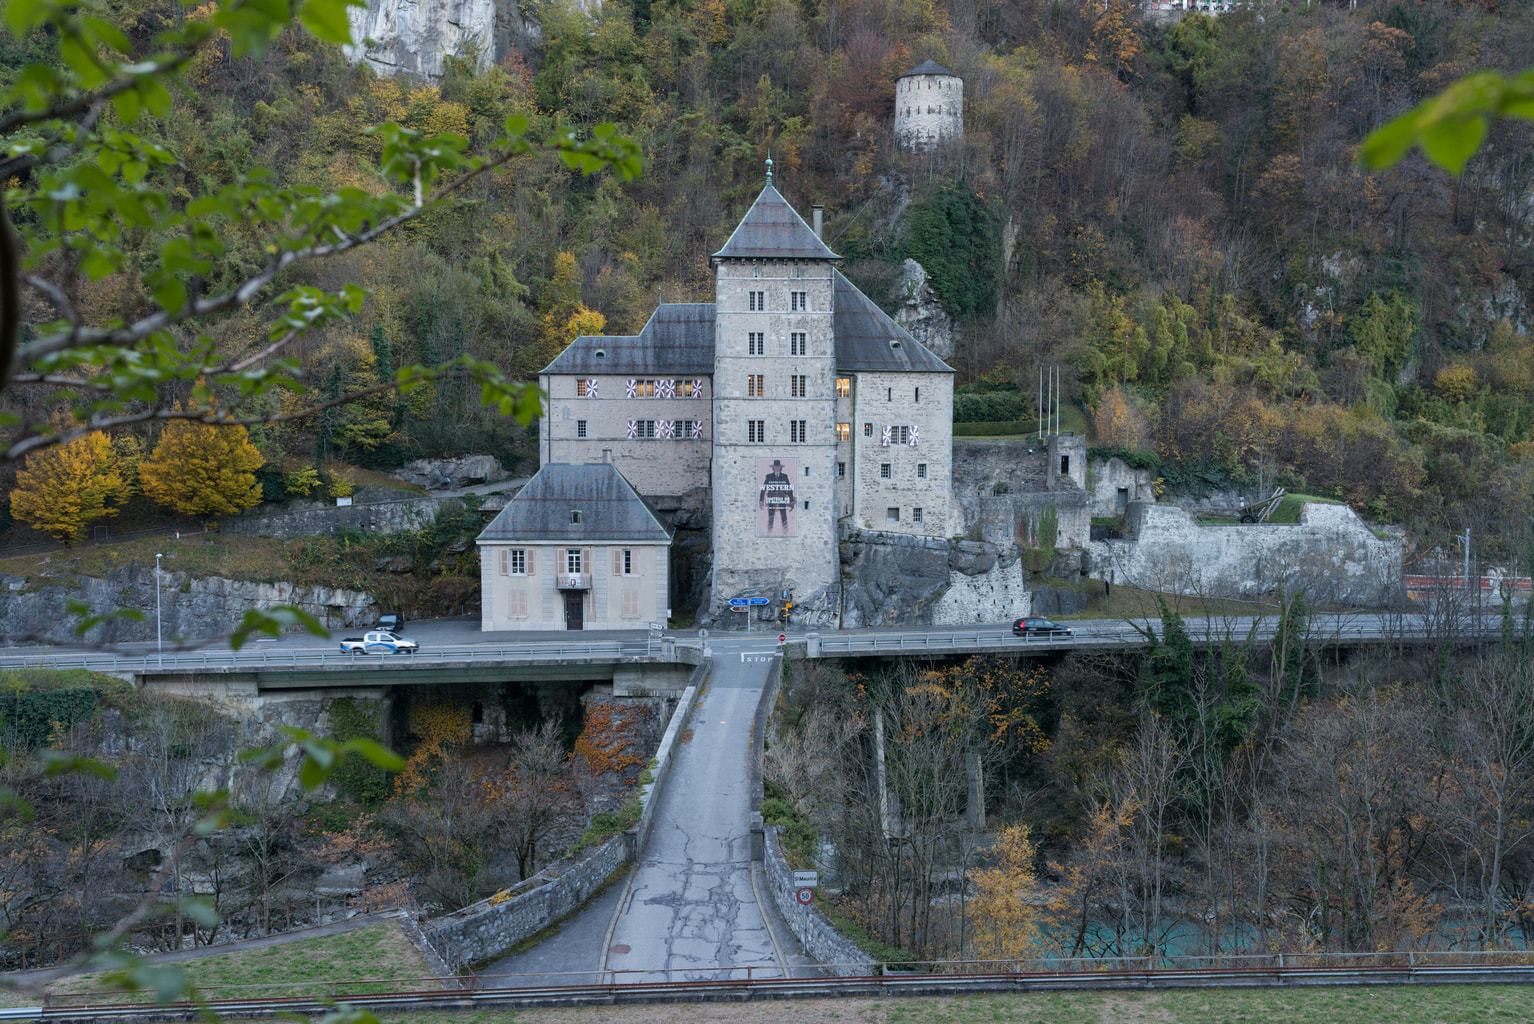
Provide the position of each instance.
(692, 907)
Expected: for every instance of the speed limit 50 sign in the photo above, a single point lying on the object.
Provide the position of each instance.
(804, 896)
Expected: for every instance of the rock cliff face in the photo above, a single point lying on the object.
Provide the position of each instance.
(892, 579)
(413, 36)
(190, 608)
(921, 313)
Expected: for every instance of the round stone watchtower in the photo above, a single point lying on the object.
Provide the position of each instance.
(929, 106)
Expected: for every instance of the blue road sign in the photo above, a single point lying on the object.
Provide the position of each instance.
(747, 602)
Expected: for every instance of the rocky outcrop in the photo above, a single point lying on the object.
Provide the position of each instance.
(36, 609)
(413, 36)
(895, 579)
(451, 474)
(921, 313)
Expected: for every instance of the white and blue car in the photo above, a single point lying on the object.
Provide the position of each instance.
(378, 642)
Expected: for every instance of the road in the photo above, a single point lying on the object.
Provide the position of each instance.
(691, 900)
(456, 640)
(692, 906)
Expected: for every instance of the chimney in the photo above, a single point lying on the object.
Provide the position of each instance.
(817, 218)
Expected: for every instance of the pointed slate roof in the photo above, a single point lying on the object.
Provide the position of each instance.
(868, 339)
(610, 508)
(678, 339)
(772, 229)
(929, 67)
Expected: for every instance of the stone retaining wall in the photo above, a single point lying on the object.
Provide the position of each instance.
(817, 935)
(1330, 554)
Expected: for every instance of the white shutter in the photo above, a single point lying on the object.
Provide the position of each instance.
(617, 561)
(532, 561)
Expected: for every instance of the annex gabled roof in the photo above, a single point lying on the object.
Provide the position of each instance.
(678, 340)
(772, 229)
(610, 508)
(868, 339)
(929, 67)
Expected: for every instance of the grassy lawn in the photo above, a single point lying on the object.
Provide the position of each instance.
(1288, 510)
(1137, 605)
(1444, 1004)
(378, 958)
(306, 560)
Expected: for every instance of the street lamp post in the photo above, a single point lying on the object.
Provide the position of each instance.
(159, 642)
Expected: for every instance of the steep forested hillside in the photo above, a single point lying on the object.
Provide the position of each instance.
(1171, 211)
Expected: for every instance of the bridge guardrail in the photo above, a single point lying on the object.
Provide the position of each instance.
(294, 658)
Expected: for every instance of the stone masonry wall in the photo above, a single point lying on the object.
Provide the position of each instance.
(486, 929)
(1330, 554)
(921, 475)
(308, 518)
(657, 467)
(817, 935)
(1112, 484)
(928, 109)
(750, 559)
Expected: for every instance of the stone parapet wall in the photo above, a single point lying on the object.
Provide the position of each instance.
(486, 929)
(1330, 554)
(816, 934)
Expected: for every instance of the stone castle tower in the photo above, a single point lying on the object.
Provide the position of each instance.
(929, 106)
(774, 406)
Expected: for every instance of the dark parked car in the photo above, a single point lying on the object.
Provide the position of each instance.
(390, 622)
(1034, 625)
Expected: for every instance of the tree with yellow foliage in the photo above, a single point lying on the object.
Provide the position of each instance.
(1004, 908)
(202, 470)
(63, 489)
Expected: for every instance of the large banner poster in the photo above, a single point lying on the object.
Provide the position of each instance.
(775, 505)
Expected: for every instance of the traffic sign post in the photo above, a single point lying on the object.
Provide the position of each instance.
(804, 896)
(806, 879)
(782, 638)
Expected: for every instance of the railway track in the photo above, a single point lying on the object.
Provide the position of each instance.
(742, 989)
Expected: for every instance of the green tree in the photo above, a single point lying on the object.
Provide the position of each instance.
(90, 198)
(63, 489)
(1166, 679)
(202, 470)
(956, 237)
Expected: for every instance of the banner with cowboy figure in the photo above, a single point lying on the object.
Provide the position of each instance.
(775, 504)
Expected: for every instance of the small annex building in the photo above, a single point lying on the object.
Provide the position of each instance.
(576, 548)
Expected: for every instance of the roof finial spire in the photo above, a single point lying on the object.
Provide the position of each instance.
(769, 167)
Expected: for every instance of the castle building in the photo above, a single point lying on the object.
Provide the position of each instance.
(929, 106)
(791, 407)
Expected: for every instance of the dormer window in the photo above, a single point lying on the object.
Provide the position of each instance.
(894, 343)
(600, 353)
(575, 517)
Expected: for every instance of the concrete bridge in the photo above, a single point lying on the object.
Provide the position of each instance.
(637, 664)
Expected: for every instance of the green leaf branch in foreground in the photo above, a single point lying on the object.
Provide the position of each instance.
(87, 199)
(1450, 127)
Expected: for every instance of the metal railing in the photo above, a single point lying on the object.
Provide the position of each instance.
(955, 976)
(263, 657)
